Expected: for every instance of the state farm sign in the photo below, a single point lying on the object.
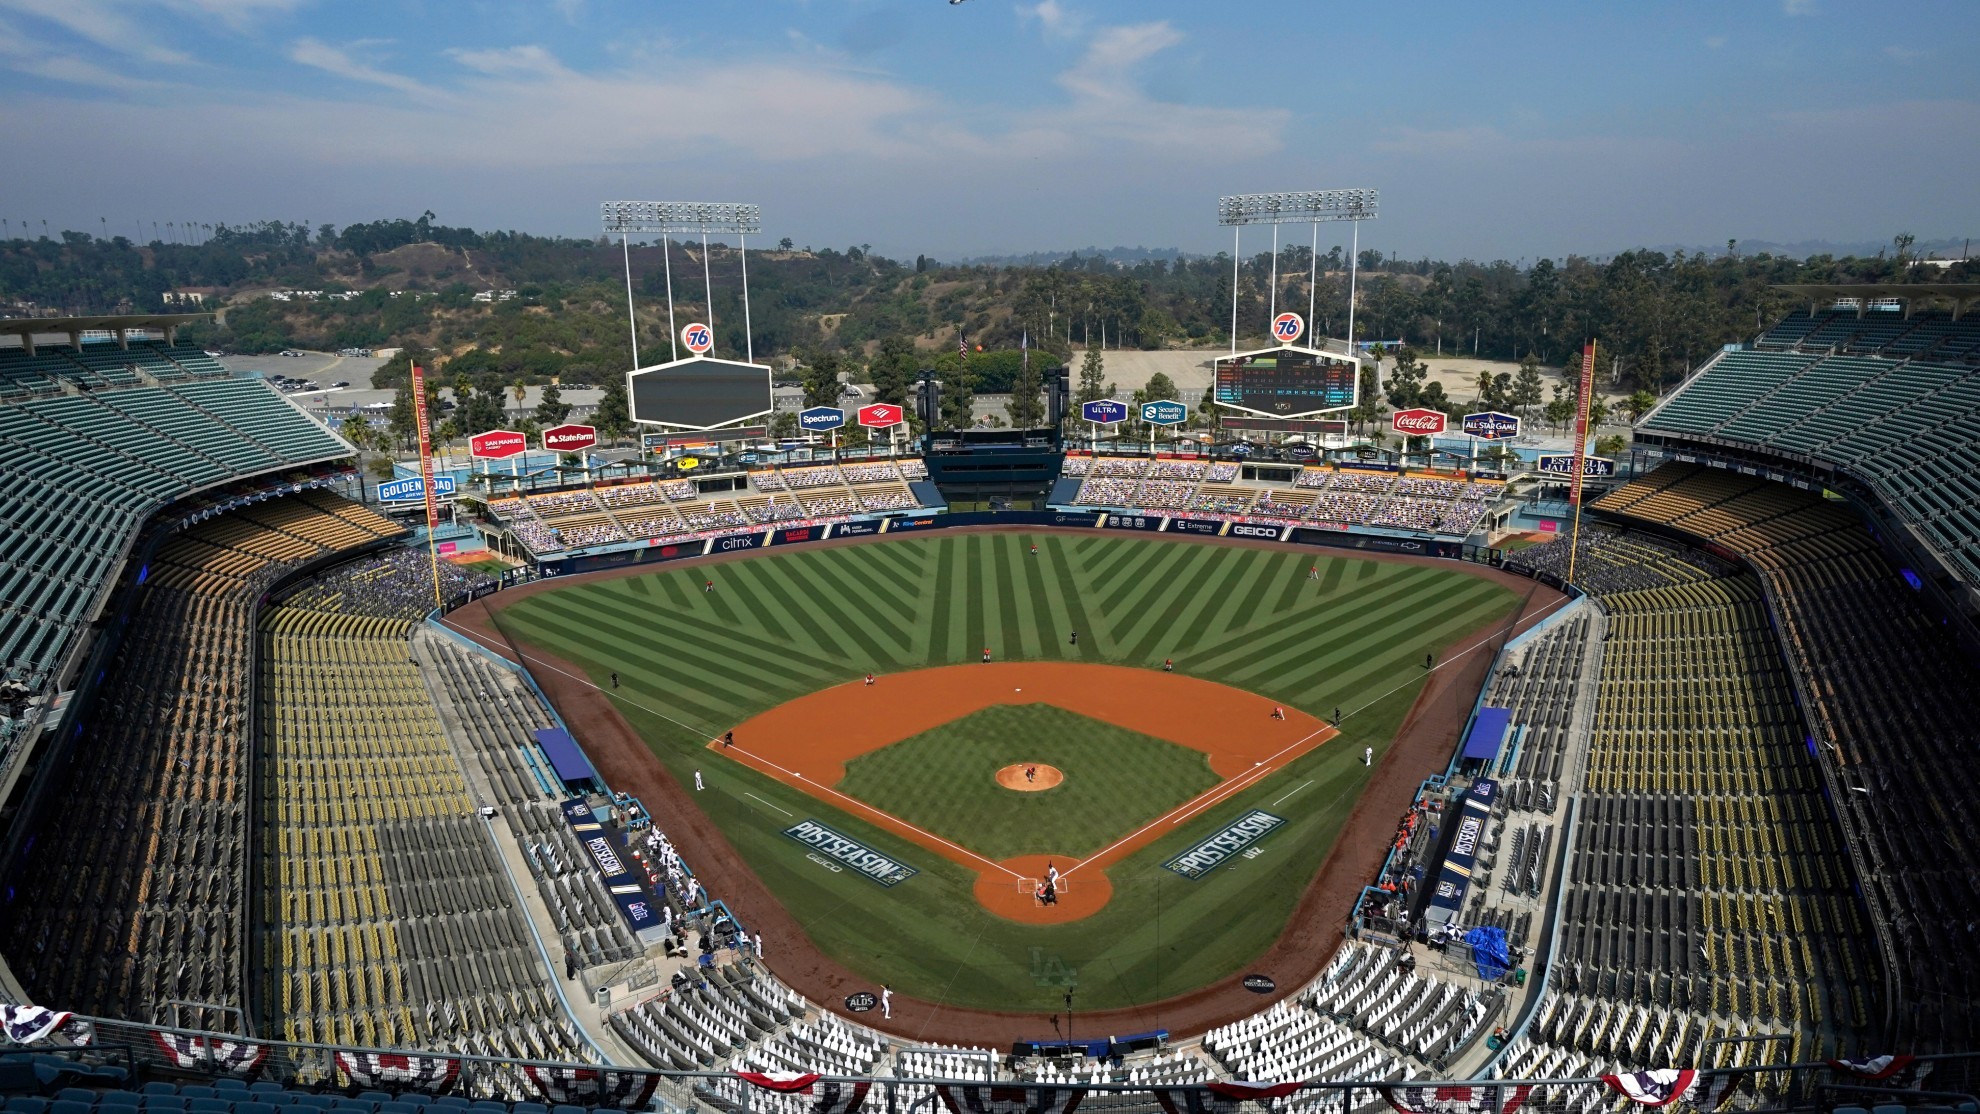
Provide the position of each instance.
(1418, 422)
(569, 438)
(496, 444)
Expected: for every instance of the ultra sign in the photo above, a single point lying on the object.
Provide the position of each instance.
(1164, 412)
(1104, 411)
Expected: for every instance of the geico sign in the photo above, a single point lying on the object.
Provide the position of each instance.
(1419, 422)
(1245, 530)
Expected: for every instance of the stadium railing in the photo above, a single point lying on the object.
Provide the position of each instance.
(158, 1053)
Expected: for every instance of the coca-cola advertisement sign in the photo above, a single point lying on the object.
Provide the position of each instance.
(1419, 422)
(569, 438)
(497, 444)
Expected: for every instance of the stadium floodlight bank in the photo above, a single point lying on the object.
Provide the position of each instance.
(651, 217)
(664, 218)
(1297, 207)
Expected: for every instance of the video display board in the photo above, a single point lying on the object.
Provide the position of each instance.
(1286, 382)
(699, 393)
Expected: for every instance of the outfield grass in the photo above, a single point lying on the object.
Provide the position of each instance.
(780, 625)
(945, 781)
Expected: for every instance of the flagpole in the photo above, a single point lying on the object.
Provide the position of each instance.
(426, 476)
(1581, 407)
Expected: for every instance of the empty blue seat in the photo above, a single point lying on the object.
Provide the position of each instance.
(69, 1106)
(416, 1098)
(561, 1108)
(1851, 1110)
(267, 1087)
(396, 1107)
(209, 1106)
(456, 1102)
(26, 1104)
(164, 1102)
(321, 1102)
(529, 1108)
(159, 1089)
(223, 1084)
(119, 1098)
(1887, 1108)
(485, 1106)
(254, 1106)
(194, 1091)
(76, 1094)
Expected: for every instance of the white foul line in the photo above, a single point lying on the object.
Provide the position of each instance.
(1290, 792)
(789, 775)
(767, 804)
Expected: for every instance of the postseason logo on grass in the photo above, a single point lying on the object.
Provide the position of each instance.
(853, 853)
(1211, 853)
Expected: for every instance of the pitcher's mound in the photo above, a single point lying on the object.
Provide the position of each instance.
(1042, 777)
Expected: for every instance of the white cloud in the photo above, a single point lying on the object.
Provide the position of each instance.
(1716, 42)
(518, 60)
(1797, 7)
(103, 23)
(23, 54)
(1054, 18)
(333, 60)
(1904, 54)
(1109, 103)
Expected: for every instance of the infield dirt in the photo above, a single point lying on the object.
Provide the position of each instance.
(1423, 744)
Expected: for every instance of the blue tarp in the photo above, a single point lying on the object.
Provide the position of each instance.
(1488, 733)
(564, 754)
(1488, 951)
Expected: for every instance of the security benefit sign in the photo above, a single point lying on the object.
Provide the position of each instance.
(1212, 853)
(844, 849)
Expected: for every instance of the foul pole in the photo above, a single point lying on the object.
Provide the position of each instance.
(1580, 450)
(426, 476)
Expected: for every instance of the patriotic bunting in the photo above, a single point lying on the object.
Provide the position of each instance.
(827, 1097)
(1878, 1069)
(1219, 1098)
(28, 1024)
(991, 1099)
(785, 1081)
(434, 1075)
(242, 1058)
(1657, 1087)
(1455, 1100)
(628, 1090)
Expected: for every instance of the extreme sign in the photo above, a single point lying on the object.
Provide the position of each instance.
(1103, 411)
(569, 438)
(1164, 412)
(881, 415)
(818, 419)
(1491, 426)
(1562, 464)
(496, 444)
(853, 853)
(1211, 853)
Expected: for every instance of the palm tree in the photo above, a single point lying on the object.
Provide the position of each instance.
(518, 389)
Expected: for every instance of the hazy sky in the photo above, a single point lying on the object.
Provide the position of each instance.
(1492, 130)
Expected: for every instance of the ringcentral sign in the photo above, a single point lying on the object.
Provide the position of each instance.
(845, 849)
(1215, 851)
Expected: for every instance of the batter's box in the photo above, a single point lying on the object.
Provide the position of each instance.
(1031, 887)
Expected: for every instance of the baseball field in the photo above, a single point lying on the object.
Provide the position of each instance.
(893, 820)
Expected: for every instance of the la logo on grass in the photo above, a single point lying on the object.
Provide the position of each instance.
(1051, 970)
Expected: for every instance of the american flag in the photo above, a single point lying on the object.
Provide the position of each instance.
(962, 345)
(1024, 345)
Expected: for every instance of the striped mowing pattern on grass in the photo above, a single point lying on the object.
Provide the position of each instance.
(788, 622)
(785, 624)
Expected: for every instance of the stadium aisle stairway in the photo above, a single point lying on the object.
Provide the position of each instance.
(388, 918)
(1890, 692)
(1709, 894)
(132, 893)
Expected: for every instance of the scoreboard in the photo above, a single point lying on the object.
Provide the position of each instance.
(698, 393)
(1286, 382)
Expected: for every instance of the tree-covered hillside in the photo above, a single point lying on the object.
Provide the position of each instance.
(554, 307)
